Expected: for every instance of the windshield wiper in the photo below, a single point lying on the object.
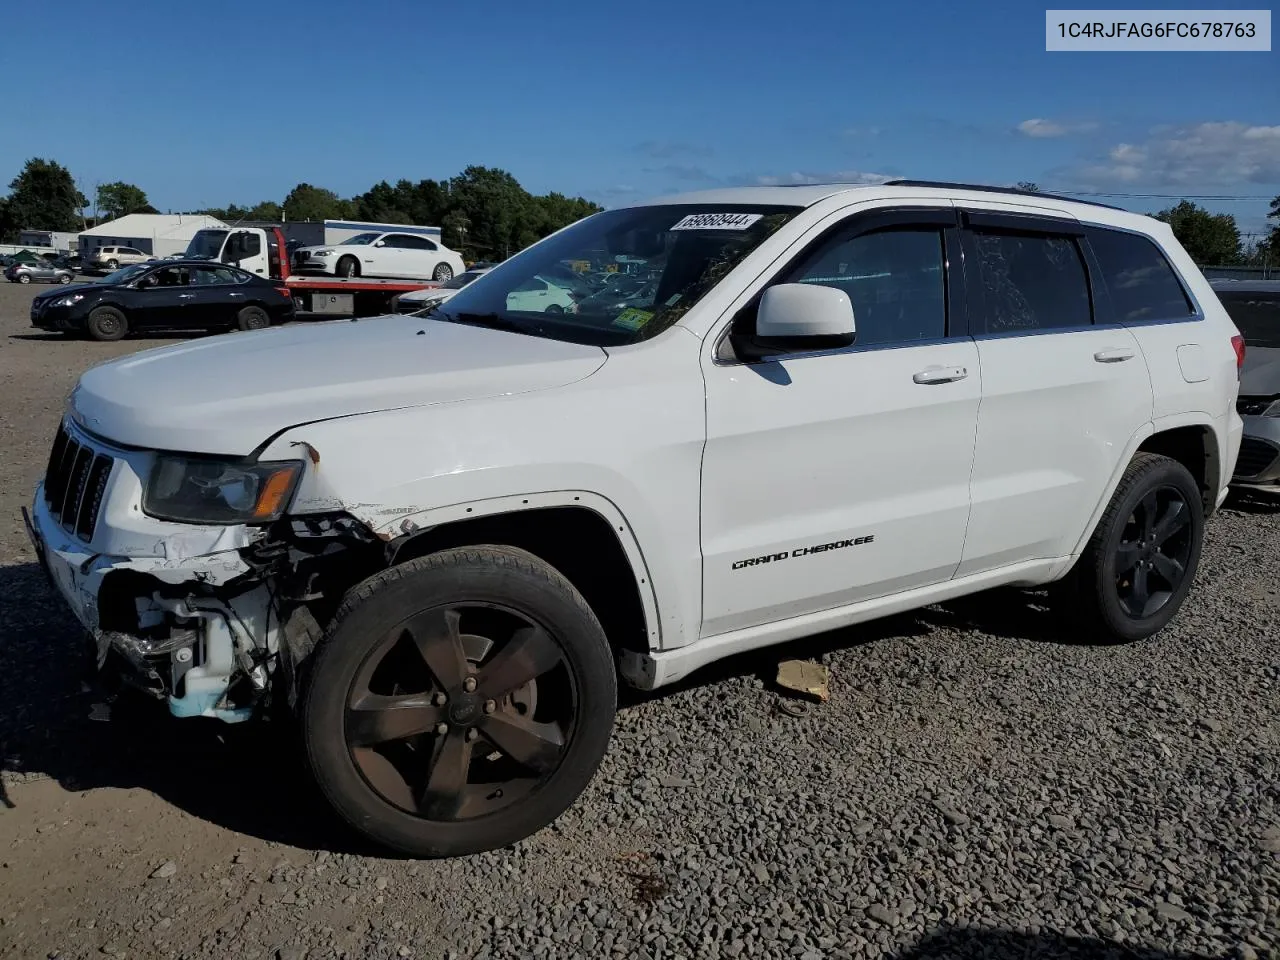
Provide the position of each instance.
(494, 321)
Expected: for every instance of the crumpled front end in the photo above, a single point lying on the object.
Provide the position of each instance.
(178, 610)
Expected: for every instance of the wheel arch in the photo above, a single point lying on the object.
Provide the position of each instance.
(582, 535)
(1187, 438)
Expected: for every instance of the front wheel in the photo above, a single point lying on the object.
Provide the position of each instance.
(442, 272)
(24, 278)
(63, 278)
(1140, 562)
(106, 323)
(348, 267)
(459, 702)
(112, 264)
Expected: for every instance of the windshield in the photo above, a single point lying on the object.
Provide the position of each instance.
(676, 253)
(1256, 316)
(360, 240)
(125, 274)
(206, 244)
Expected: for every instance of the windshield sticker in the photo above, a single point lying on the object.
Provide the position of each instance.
(717, 221)
(633, 318)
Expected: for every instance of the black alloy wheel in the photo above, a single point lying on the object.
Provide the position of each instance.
(1153, 553)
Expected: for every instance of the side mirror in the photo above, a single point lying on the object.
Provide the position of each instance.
(798, 317)
(379, 243)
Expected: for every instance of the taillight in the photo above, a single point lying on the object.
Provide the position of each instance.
(1237, 344)
(285, 292)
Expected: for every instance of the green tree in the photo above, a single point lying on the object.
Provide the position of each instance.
(306, 202)
(1028, 185)
(42, 197)
(1273, 239)
(1210, 238)
(118, 199)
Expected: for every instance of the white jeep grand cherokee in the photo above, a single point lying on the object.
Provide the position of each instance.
(440, 539)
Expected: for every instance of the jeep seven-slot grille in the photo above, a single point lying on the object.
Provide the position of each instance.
(74, 484)
(1256, 456)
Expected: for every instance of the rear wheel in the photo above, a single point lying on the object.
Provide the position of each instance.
(348, 267)
(459, 702)
(106, 323)
(443, 272)
(253, 318)
(1141, 560)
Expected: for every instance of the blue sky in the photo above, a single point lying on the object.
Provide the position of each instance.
(237, 102)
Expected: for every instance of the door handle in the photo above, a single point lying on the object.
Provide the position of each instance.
(186, 296)
(940, 374)
(235, 294)
(1114, 355)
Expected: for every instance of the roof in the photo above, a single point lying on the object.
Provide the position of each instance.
(1232, 285)
(808, 194)
(152, 225)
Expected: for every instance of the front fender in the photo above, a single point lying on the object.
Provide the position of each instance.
(626, 443)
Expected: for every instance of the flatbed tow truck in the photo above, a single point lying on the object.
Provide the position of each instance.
(264, 251)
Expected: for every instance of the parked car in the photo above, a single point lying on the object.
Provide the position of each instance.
(184, 295)
(1254, 307)
(110, 258)
(540, 294)
(71, 261)
(441, 539)
(46, 271)
(393, 255)
(418, 300)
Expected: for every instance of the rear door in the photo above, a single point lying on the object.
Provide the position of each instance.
(420, 256)
(1063, 389)
(219, 295)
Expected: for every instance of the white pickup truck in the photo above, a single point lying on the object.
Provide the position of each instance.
(440, 539)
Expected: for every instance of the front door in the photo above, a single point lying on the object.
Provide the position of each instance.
(843, 475)
(1062, 396)
(162, 299)
(247, 250)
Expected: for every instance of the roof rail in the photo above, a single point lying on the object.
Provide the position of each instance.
(984, 188)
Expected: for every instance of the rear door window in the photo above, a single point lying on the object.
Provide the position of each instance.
(1140, 280)
(1031, 282)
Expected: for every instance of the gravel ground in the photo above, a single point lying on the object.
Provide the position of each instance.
(978, 786)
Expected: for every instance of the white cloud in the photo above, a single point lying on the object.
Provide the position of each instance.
(1212, 154)
(838, 176)
(1041, 128)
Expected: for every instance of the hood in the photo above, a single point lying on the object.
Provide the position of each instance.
(1260, 375)
(67, 288)
(228, 394)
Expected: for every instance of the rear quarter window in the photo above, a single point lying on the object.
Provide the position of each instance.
(1142, 283)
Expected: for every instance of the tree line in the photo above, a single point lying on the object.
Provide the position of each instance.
(483, 212)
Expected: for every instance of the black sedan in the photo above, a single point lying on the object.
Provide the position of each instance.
(186, 294)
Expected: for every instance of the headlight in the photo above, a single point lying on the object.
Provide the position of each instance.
(193, 490)
(323, 253)
(69, 301)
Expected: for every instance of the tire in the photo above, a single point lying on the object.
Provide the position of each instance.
(1156, 519)
(347, 267)
(253, 318)
(106, 323)
(458, 603)
(554, 308)
(442, 272)
(112, 265)
(63, 278)
(24, 278)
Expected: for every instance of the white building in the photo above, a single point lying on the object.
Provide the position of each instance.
(159, 234)
(53, 239)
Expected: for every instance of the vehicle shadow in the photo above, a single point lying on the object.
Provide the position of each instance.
(1254, 501)
(251, 778)
(962, 943)
(149, 334)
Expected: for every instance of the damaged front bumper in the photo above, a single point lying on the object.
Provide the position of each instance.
(176, 608)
